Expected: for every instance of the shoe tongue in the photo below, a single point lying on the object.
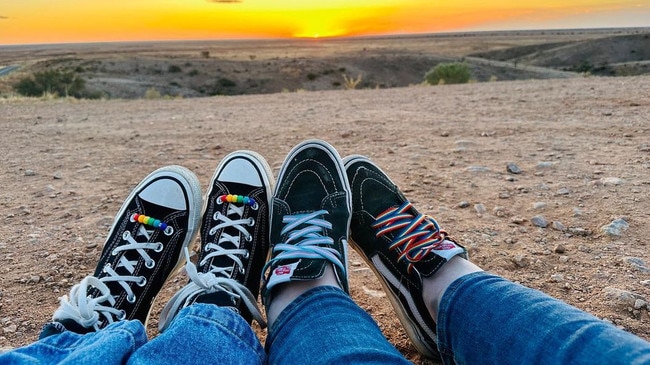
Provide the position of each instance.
(223, 260)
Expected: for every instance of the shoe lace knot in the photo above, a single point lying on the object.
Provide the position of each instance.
(413, 236)
(306, 239)
(91, 310)
(219, 278)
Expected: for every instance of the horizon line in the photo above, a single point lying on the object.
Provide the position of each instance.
(327, 38)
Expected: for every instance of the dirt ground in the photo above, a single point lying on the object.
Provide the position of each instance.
(583, 146)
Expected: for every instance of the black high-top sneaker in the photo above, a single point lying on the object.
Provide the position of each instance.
(234, 240)
(400, 245)
(310, 217)
(144, 248)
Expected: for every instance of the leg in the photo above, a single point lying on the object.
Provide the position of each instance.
(203, 333)
(313, 320)
(112, 345)
(402, 246)
(479, 318)
(208, 320)
(101, 321)
(512, 324)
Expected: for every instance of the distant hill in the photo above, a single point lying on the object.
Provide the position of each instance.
(612, 56)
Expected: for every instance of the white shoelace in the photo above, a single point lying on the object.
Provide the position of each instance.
(87, 310)
(304, 243)
(217, 278)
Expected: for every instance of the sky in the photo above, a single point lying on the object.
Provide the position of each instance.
(67, 21)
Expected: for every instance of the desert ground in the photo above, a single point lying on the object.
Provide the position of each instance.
(582, 144)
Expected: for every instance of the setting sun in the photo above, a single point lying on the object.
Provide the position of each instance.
(45, 21)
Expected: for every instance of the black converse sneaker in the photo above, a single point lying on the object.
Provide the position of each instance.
(234, 240)
(400, 245)
(156, 222)
(310, 217)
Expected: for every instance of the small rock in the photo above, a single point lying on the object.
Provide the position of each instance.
(558, 226)
(480, 208)
(10, 328)
(539, 221)
(504, 195)
(645, 282)
(463, 204)
(577, 212)
(374, 293)
(35, 279)
(30, 172)
(564, 259)
(556, 278)
(638, 264)
(513, 168)
(444, 134)
(579, 231)
(517, 220)
(615, 228)
(611, 181)
(544, 165)
(563, 191)
(539, 205)
(521, 260)
(559, 248)
(478, 169)
(640, 303)
(624, 298)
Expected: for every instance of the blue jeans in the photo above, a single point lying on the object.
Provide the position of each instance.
(485, 319)
(322, 326)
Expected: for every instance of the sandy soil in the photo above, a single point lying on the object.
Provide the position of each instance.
(583, 145)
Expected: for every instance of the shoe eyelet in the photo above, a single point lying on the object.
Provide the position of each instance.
(169, 231)
(159, 248)
(122, 315)
(247, 254)
(212, 231)
(241, 270)
(113, 253)
(218, 200)
(216, 215)
(126, 235)
(142, 282)
(249, 238)
(131, 298)
(150, 264)
(251, 221)
(107, 266)
(131, 219)
(255, 206)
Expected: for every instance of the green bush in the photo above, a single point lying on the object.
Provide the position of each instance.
(174, 69)
(51, 82)
(449, 73)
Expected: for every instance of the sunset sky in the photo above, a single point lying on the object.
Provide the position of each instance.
(63, 21)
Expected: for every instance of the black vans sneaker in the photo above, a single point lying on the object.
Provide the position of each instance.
(234, 240)
(144, 248)
(399, 244)
(310, 217)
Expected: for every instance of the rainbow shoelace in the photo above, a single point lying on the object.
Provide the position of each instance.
(241, 199)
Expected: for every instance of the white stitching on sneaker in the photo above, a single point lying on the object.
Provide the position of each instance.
(86, 310)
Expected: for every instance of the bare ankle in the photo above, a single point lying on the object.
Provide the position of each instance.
(434, 288)
(286, 293)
